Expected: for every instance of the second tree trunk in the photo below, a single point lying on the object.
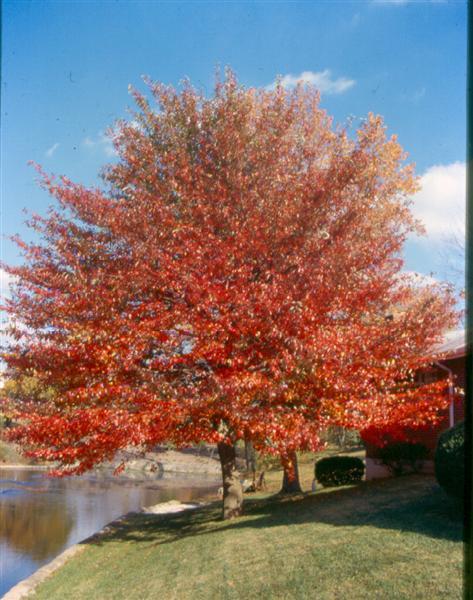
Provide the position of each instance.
(290, 482)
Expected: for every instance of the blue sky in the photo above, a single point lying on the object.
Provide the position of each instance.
(66, 67)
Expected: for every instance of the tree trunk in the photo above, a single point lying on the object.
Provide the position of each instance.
(341, 437)
(232, 489)
(250, 459)
(290, 482)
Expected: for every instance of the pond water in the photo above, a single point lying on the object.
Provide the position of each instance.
(40, 516)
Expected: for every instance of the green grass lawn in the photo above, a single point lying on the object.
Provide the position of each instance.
(391, 539)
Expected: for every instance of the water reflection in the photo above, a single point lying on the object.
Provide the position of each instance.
(37, 529)
(40, 516)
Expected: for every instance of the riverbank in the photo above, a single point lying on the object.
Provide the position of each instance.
(10, 455)
(27, 586)
(195, 461)
(397, 538)
(164, 460)
(41, 516)
(23, 466)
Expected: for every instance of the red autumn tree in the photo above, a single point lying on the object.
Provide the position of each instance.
(230, 280)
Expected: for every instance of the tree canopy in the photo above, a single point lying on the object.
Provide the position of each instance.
(235, 276)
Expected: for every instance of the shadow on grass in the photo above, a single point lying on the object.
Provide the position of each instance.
(411, 503)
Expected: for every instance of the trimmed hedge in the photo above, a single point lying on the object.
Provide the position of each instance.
(403, 457)
(450, 460)
(339, 470)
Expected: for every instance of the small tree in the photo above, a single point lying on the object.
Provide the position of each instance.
(229, 281)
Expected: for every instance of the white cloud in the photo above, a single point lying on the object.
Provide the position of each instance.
(5, 280)
(440, 204)
(322, 80)
(52, 150)
(135, 124)
(416, 279)
(101, 143)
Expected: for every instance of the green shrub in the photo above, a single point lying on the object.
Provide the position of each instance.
(339, 470)
(450, 460)
(403, 457)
